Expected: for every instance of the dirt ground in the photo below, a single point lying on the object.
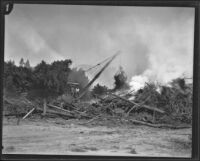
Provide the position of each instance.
(37, 135)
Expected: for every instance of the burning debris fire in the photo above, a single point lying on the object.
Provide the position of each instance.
(138, 82)
(141, 101)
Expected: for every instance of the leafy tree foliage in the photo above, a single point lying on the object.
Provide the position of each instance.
(99, 89)
(27, 64)
(21, 62)
(51, 79)
(175, 99)
(17, 79)
(78, 76)
(120, 79)
(43, 80)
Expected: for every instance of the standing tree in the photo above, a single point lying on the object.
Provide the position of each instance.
(50, 80)
(17, 79)
(120, 79)
(21, 62)
(27, 64)
(99, 89)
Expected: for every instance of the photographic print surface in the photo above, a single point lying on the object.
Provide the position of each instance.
(98, 80)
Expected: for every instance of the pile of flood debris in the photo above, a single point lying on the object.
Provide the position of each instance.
(153, 105)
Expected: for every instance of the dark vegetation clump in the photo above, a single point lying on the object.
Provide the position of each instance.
(78, 76)
(175, 100)
(120, 80)
(99, 90)
(44, 81)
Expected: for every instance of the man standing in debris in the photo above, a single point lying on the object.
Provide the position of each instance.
(73, 91)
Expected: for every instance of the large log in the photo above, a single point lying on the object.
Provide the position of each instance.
(56, 112)
(139, 105)
(69, 112)
(160, 125)
(56, 107)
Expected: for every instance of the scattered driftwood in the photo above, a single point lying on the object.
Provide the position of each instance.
(56, 113)
(28, 113)
(69, 112)
(94, 118)
(139, 105)
(7, 101)
(159, 125)
(59, 108)
(131, 109)
(75, 109)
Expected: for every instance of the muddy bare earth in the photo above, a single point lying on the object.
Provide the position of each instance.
(37, 135)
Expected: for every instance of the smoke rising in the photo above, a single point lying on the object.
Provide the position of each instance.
(156, 43)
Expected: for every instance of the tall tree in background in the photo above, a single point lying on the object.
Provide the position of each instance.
(120, 80)
(99, 89)
(21, 62)
(50, 80)
(17, 79)
(27, 64)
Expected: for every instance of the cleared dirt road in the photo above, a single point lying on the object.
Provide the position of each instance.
(59, 136)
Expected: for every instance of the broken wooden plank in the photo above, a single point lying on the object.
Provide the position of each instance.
(55, 112)
(50, 105)
(131, 109)
(94, 118)
(28, 113)
(71, 105)
(139, 105)
(160, 125)
(69, 112)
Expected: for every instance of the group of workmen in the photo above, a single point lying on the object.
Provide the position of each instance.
(75, 91)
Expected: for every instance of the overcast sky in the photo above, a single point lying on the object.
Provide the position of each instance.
(155, 42)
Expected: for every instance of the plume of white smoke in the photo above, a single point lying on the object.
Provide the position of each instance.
(137, 82)
(170, 54)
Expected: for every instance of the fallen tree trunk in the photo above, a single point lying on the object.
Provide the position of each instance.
(59, 108)
(159, 125)
(69, 112)
(56, 113)
(139, 105)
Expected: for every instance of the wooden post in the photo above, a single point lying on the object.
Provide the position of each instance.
(44, 107)
(154, 115)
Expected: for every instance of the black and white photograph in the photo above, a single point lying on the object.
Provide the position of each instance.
(98, 80)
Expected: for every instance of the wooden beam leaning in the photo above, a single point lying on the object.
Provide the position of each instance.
(28, 113)
(97, 75)
(59, 108)
(138, 105)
